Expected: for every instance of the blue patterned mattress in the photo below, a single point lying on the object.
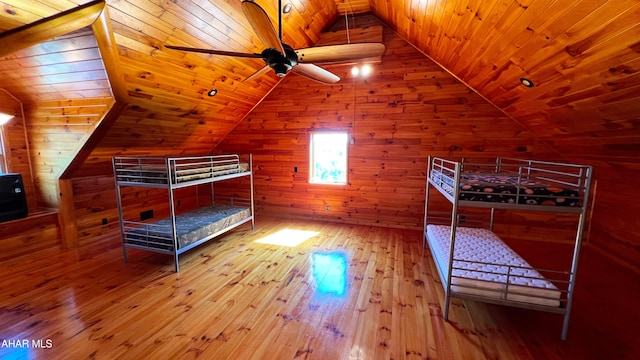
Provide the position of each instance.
(190, 227)
(506, 189)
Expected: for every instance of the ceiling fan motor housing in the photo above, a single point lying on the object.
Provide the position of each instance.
(282, 58)
(279, 63)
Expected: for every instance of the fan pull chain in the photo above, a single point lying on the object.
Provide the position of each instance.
(346, 20)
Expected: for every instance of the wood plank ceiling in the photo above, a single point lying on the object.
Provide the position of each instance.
(582, 56)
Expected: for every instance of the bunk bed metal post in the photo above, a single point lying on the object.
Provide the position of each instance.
(454, 225)
(213, 201)
(253, 216)
(122, 239)
(492, 218)
(426, 204)
(577, 246)
(172, 211)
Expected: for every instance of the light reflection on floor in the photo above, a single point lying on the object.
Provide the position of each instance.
(15, 353)
(330, 272)
(23, 346)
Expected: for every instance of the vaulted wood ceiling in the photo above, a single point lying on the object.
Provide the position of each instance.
(583, 57)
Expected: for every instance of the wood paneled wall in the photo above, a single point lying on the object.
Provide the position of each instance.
(63, 115)
(36, 233)
(65, 91)
(16, 145)
(408, 109)
(616, 211)
(57, 130)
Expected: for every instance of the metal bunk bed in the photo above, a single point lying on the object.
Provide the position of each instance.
(504, 184)
(181, 232)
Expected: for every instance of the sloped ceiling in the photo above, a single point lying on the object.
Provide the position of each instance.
(582, 56)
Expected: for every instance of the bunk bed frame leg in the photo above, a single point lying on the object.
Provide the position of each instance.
(120, 216)
(576, 251)
(426, 206)
(172, 213)
(253, 215)
(454, 226)
(565, 326)
(447, 302)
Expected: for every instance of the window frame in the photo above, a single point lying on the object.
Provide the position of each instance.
(3, 158)
(311, 156)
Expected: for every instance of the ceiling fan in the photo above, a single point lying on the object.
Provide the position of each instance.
(282, 58)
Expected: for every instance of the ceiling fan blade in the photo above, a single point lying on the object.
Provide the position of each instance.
(215, 52)
(257, 74)
(339, 53)
(262, 25)
(316, 73)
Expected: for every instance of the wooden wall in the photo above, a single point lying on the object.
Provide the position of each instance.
(408, 109)
(616, 210)
(17, 145)
(69, 102)
(65, 91)
(36, 233)
(57, 130)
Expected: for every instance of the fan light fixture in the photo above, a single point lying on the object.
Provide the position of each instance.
(287, 8)
(365, 70)
(281, 58)
(4, 118)
(212, 92)
(526, 82)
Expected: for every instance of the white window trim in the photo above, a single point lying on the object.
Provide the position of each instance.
(311, 157)
(3, 154)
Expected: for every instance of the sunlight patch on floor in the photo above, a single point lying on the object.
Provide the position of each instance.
(288, 237)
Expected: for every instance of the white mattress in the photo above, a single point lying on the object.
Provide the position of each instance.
(481, 264)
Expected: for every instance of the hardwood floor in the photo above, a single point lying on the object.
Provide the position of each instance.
(347, 292)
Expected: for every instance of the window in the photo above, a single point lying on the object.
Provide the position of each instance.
(328, 158)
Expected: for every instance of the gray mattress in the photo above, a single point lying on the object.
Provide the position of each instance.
(157, 174)
(190, 227)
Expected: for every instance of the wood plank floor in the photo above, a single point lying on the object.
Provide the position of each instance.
(347, 292)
